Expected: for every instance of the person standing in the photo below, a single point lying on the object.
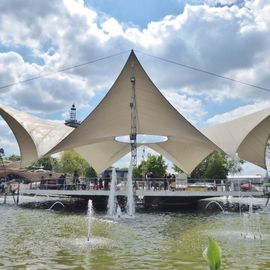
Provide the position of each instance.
(100, 183)
(165, 182)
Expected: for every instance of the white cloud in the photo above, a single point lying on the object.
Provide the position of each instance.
(221, 2)
(46, 94)
(7, 139)
(62, 35)
(239, 112)
(251, 169)
(212, 39)
(112, 27)
(10, 146)
(43, 36)
(191, 108)
(231, 41)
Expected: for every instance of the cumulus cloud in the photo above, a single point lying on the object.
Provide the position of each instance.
(251, 169)
(46, 94)
(227, 37)
(221, 2)
(191, 108)
(7, 139)
(238, 112)
(62, 35)
(230, 40)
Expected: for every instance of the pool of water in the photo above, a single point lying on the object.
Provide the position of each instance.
(42, 239)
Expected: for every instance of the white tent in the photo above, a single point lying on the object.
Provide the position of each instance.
(94, 139)
(35, 136)
(246, 136)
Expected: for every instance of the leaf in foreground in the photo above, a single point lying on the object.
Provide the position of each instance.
(212, 254)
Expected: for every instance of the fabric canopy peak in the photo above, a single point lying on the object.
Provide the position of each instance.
(154, 116)
(94, 139)
(246, 136)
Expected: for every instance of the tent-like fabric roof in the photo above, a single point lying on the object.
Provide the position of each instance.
(35, 136)
(94, 139)
(246, 136)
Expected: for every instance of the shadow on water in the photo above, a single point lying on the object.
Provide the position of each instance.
(77, 205)
(58, 205)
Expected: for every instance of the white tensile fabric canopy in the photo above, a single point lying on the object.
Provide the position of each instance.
(35, 136)
(246, 136)
(94, 139)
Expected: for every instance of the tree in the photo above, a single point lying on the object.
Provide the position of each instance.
(137, 173)
(90, 172)
(71, 161)
(234, 164)
(177, 169)
(215, 166)
(46, 163)
(199, 171)
(154, 164)
(14, 158)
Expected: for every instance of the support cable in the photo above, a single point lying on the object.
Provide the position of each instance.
(61, 70)
(205, 71)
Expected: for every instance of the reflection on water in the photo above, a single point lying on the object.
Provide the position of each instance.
(39, 239)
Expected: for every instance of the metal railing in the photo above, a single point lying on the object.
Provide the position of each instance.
(154, 184)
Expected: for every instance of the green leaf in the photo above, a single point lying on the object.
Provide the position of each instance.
(212, 254)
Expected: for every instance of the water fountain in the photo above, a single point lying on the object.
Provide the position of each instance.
(111, 206)
(56, 203)
(118, 212)
(251, 224)
(89, 218)
(215, 202)
(130, 208)
(91, 242)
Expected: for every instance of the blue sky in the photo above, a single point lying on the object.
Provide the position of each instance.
(227, 37)
(138, 13)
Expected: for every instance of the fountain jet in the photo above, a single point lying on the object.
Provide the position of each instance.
(111, 206)
(89, 216)
(130, 198)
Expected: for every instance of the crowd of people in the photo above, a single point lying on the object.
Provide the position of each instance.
(64, 181)
(100, 183)
(168, 182)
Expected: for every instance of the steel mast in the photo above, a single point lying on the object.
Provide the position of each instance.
(133, 131)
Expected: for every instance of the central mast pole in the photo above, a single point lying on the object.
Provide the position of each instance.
(133, 132)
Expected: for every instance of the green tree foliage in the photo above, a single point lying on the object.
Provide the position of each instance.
(137, 173)
(71, 161)
(177, 169)
(215, 166)
(90, 172)
(47, 163)
(154, 164)
(14, 158)
(234, 164)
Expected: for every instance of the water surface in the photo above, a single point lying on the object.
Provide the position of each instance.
(41, 239)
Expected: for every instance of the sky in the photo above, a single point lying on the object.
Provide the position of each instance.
(227, 37)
